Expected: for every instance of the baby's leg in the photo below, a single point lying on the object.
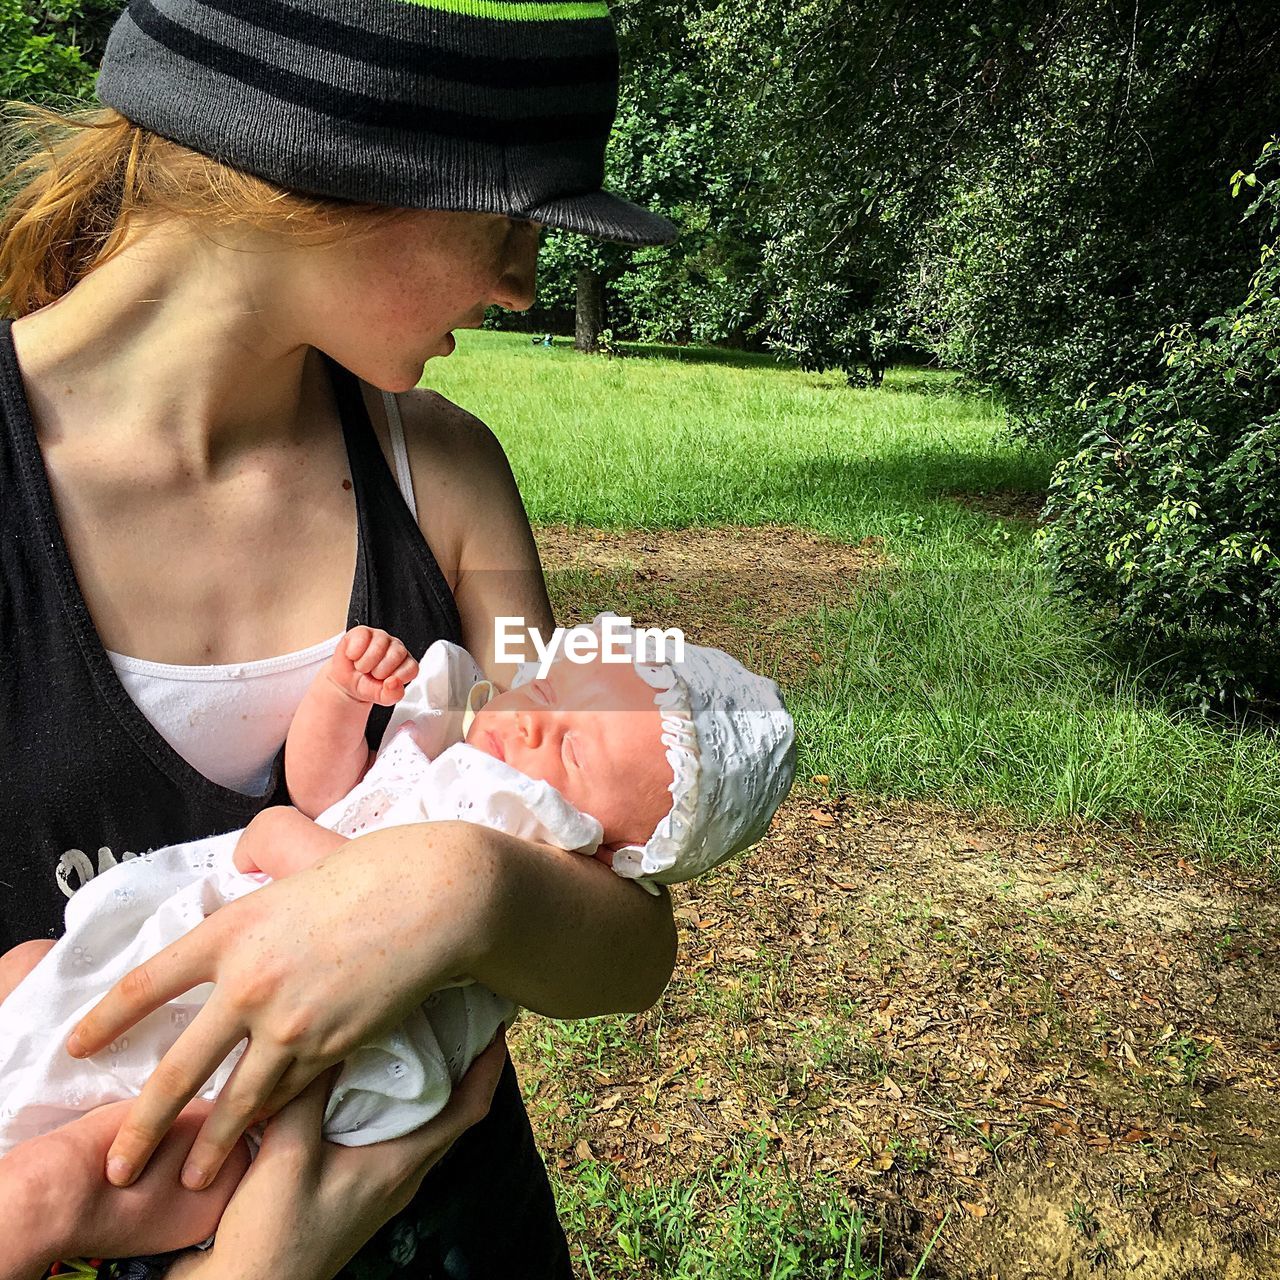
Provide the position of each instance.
(18, 961)
(55, 1187)
(280, 841)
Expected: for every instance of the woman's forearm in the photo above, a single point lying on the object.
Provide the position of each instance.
(557, 932)
(32, 1232)
(569, 938)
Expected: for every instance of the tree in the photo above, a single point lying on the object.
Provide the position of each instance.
(667, 152)
(1090, 214)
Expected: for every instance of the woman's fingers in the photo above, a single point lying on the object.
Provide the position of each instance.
(182, 965)
(239, 1101)
(288, 1087)
(298, 1123)
(473, 1094)
(179, 1076)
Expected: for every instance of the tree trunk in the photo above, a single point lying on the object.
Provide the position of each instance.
(590, 315)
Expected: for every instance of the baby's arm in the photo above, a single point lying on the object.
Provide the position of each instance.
(325, 754)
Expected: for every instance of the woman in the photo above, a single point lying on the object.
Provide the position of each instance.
(197, 468)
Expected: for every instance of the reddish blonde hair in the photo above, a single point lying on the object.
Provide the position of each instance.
(77, 182)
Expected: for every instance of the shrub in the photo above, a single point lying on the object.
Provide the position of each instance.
(1167, 518)
(49, 51)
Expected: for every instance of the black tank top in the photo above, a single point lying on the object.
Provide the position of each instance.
(85, 778)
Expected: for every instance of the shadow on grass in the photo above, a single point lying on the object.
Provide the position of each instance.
(704, 355)
(909, 379)
(878, 494)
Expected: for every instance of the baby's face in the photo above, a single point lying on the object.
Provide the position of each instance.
(593, 732)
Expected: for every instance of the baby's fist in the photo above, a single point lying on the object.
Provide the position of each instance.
(372, 666)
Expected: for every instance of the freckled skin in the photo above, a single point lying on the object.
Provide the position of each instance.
(383, 304)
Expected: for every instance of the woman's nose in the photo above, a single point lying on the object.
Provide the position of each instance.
(517, 285)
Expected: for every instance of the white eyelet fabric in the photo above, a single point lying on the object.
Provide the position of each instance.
(134, 910)
(731, 746)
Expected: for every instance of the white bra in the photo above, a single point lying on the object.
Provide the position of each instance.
(228, 721)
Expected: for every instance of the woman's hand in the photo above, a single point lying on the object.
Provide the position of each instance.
(307, 969)
(306, 1206)
(311, 967)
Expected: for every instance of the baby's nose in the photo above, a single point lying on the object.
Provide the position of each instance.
(530, 726)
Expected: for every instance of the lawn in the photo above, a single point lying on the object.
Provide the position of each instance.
(999, 986)
(957, 676)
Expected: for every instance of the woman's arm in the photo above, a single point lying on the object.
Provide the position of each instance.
(567, 937)
(472, 517)
(310, 967)
(556, 932)
(561, 934)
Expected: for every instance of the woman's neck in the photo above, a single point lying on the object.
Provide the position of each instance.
(179, 343)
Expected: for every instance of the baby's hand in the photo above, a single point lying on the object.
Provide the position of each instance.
(371, 666)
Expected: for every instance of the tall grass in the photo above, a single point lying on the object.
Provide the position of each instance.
(958, 675)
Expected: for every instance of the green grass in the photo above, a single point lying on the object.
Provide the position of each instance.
(739, 1218)
(959, 677)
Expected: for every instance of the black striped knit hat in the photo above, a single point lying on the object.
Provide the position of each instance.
(494, 106)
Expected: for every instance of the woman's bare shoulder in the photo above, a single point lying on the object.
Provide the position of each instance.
(433, 426)
(471, 513)
(432, 422)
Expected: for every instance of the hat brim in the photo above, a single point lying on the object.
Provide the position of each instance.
(605, 217)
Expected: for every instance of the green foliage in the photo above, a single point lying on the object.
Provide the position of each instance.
(1088, 214)
(741, 1216)
(843, 114)
(667, 152)
(49, 50)
(1167, 518)
(1027, 189)
(953, 672)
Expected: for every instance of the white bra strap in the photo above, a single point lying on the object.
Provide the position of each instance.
(404, 478)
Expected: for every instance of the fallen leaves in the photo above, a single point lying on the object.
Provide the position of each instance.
(927, 1009)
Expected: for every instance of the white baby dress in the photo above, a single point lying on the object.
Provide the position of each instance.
(423, 771)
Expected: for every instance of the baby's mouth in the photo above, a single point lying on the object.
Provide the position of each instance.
(495, 747)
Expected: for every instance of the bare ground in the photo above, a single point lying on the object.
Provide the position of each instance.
(741, 588)
(1004, 504)
(1062, 1042)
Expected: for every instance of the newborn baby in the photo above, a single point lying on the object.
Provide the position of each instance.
(660, 770)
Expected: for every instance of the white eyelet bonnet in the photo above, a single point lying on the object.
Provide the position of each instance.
(731, 747)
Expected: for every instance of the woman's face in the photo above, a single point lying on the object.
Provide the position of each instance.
(385, 302)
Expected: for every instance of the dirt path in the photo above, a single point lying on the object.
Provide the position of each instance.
(1064, 1042)
(743, 589)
